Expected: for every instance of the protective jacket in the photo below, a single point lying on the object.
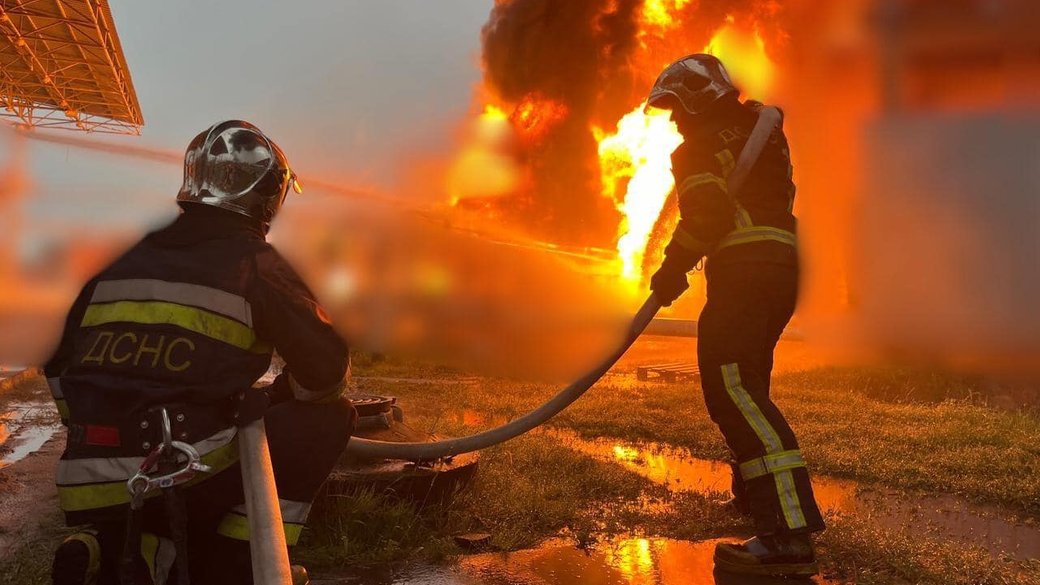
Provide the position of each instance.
(186, 319)
(758, 225)
(752, 288)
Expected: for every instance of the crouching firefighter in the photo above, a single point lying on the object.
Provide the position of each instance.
(748, 238)
(155, 372)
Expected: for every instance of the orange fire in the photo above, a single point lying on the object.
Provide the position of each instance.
(483, 169)
(661, 13)
(744, 54)
(535, 116)
(634, 155)
(640, 150)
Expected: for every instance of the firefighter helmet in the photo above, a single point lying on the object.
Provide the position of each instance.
(234, 166)
(695, 81)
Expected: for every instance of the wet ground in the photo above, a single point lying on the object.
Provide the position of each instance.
(1001, 532)
(663, 561)
(622, 561)
(949, 517)
(30, 444)
(26, 425)
(24, 428)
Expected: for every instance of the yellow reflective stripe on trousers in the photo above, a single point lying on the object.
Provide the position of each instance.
(761, 233)
(792, 508)
(234, 525)
(194, 319)
(89, 540)
(149, 551)
(785, 487)
(750, 410)
(159, 554)
(90, 496)
(293, 512)
(783, 461)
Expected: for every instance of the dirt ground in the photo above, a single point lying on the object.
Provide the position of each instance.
(28, 498)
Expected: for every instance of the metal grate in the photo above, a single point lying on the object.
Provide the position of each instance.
(672, 372)
(61, 66)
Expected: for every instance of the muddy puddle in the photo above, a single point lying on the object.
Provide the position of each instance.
(24, 428)
(944, 516)
(623, 561)
(941, 516)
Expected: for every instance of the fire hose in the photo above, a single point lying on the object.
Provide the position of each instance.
(370, 449)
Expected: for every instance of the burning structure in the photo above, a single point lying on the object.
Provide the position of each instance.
(565, 82)
(558, 156)
(868, 86)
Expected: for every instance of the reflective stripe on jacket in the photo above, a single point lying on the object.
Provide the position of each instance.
(714, 222)
(188, 316)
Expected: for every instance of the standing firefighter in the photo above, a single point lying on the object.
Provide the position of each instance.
(752, 277)
(163, 347)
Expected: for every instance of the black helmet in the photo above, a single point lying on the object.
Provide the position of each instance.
(234, 166)
(695, 81)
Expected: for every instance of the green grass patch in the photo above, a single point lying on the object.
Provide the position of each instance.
(524, 491)
(953, 446)
(31, 563)
(857, 550)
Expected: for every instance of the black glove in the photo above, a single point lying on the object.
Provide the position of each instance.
(669, 281)
(250, 405)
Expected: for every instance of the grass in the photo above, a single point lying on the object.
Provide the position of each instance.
(860, 552)
(887, 427)
(31, 563)
(954, 446)
(526, 490)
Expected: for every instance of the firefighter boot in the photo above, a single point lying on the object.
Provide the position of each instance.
(77, 560)
(790, 556)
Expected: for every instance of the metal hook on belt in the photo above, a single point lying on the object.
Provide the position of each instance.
(142, 482)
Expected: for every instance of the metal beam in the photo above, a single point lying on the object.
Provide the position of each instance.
(62, 58)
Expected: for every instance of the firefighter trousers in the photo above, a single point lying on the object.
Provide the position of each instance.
(748, 306)
(305, 442)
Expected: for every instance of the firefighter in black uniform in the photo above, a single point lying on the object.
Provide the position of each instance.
(752, 279)
(186, 321)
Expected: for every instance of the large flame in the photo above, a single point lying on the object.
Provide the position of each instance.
(744, 54)
(640, 150)
(661, 13)
(639, 153)
(634, 156)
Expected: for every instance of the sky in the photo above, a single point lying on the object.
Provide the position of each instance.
(348, 88)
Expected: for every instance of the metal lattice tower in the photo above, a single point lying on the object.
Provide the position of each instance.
(61, 66)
